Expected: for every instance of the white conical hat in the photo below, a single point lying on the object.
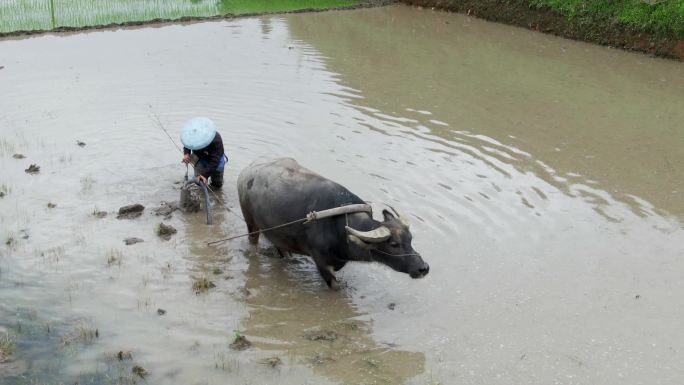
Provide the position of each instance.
(198, 133)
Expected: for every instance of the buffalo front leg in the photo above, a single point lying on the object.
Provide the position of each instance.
(327, 273)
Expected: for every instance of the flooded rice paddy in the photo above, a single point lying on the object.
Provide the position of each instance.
(28, 15)
(543, 178)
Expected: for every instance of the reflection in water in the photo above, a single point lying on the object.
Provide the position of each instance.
(542, 272)
(582, 117)
(293, 313)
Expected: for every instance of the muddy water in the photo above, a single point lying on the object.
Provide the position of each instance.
(543, 178)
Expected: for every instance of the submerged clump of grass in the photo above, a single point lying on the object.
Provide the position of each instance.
(113, 257)
(5, 146)
(99, 214)
(202, 284)
(273, 362)
(87, 184)
(7, 344)
(10, 240)
(164, 231)
(81, 335)
(240, 342)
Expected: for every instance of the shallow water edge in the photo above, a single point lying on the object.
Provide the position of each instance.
(188, 19)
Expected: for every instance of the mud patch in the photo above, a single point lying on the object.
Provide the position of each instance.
(130, 211)
(99, 214)
(320, 335)
(321, 359)
(139, 371)
(132, 241)
(190, 198)
(165, 231)
(32, 169)
(81, 335)
(202, 285)
(272, 362)
(240, 343)
(166, 209)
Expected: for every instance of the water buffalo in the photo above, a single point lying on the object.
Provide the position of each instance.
(280, 190)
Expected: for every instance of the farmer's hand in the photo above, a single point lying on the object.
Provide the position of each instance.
(202, 179)
(186, 158)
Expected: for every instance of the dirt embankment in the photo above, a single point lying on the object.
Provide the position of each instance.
(519, 13)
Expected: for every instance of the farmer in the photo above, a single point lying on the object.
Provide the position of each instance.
(203, 148)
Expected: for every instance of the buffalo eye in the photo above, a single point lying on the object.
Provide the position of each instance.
(394, 244)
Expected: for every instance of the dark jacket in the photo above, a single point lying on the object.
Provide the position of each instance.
(210, 156)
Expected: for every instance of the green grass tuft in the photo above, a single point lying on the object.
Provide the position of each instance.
(661, 18)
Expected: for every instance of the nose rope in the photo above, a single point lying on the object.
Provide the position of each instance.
(396, 255)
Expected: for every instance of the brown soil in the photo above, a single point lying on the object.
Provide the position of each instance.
(320, 335)
(240, 343)
(132, 241)
(165, 231)
(99, 214)
(33, 169)
(519, 13)
(139, 371)
(130, 211)
(166, 209)
(202, 285)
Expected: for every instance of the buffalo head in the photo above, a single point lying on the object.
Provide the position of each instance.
(390, 244)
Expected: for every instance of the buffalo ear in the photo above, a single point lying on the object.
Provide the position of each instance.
(388, 216)
(358, 242)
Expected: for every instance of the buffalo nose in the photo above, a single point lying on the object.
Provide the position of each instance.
(425, 269)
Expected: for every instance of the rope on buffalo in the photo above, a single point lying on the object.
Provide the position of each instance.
(310, 217)
(258, 231)
(393, 255)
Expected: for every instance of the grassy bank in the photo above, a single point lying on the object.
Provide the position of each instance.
(31, 15)
(656, 28)
(660, 18)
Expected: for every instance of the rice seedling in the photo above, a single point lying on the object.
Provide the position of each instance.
(82, 334)
(113, 257)
(18, 15)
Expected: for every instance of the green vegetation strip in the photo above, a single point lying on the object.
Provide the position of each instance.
(659, 17)
(31, 15)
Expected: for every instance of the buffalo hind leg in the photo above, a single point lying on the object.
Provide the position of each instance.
(252, 229)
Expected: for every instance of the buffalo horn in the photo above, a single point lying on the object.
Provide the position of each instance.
(401, 217)
(373, 236)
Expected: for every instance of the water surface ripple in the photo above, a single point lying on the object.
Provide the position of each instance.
(542, 178)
